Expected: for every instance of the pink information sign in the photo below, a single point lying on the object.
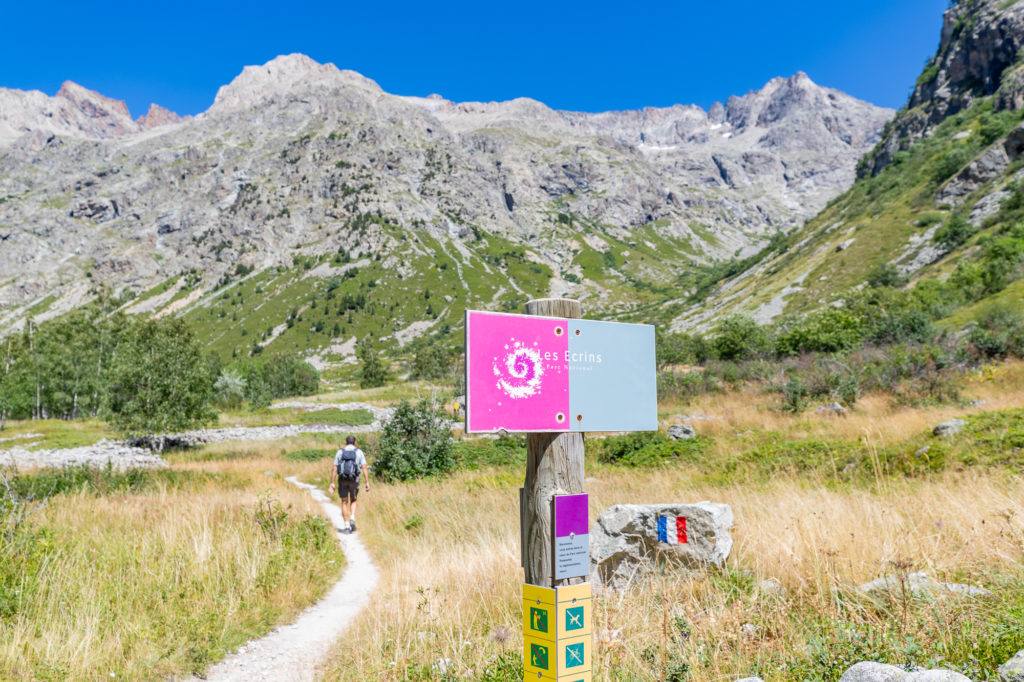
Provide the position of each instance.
(518, 380)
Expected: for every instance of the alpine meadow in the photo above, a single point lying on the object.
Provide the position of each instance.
(197, 311)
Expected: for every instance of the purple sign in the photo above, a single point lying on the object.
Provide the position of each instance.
(572, 536)
(572, 515)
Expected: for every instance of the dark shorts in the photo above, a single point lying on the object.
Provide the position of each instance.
(348, 488)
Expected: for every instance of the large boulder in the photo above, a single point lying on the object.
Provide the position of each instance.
(624, 542)
(1013, 669)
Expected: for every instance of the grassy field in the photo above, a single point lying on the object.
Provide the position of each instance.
(161, 575)
(449, 551)
(157, 574)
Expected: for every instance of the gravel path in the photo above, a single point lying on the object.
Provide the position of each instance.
(293, 652)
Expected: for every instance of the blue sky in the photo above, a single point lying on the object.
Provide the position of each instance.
(582, 56)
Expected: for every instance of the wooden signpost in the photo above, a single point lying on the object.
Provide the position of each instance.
(554, 377)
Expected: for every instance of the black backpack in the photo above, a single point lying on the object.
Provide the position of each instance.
(347, 468)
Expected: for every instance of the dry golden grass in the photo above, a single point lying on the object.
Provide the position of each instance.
(451, 581)
(449, 554)
(874, 419)
(153, 584)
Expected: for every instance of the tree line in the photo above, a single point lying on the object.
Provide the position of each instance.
(141, 375)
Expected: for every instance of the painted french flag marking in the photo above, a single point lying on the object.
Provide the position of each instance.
(672, 530)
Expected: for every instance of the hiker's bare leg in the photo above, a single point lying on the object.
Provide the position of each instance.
(344, 508)
(353, 514)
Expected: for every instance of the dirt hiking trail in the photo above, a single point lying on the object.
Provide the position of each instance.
(292, 653)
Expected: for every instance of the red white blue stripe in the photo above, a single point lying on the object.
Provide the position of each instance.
(672, 530)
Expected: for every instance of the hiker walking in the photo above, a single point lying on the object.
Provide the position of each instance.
(349, 461)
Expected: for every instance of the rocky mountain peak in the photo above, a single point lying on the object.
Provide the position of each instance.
(157, 116)
(281, 75)
(981, 53)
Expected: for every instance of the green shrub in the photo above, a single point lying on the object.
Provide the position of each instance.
(739, 337)
(373, 374)
(954, 232)
(886, 275)
(431, 362)
(795, 394)
(646, 448)
(828, 331)
(415, 443)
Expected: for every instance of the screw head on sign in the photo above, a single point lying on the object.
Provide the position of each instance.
(577, 332)
(560, 417)
(574, 600)
(559, 331)
(579, 417)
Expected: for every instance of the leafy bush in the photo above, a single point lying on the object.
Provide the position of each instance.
(374, 374)
(432, 361)
(278, 376)
(415, 443)
(954, 232)
(739, 337)
(646, 448)
(828, 331)
(886, 275)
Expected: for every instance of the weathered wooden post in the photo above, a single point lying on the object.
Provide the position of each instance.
(554, 465)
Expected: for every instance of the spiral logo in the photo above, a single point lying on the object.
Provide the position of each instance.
(519, 371)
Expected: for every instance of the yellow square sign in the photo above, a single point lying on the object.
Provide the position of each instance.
(574, 654)
(539, 620)
(571, 592)
(573, 618)
(540, 658)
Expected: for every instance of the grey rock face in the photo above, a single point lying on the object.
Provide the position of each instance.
(1014, 144)
(988, 166)
(1013, 669)
(949, 428)
(979, 41)
(873, 672)
(681, 432)
(624, 543)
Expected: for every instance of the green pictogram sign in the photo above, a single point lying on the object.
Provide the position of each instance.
(538, 619)
(574, 655)
(539, 656)
(574, 618)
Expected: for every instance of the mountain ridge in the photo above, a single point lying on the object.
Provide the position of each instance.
(297, 160)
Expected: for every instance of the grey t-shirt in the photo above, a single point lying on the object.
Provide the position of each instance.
(360, 458)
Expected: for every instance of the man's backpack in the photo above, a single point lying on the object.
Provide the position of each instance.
(347, 468)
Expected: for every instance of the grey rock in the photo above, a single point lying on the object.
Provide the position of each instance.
(832, 408)
(624, 542)
(844, 245)
(750, 679)
(1013, 669)
(919, 585)
(681, 432)
(939, 675)
(772, 587)
(869, 671)
(988, 166)
(1014, 144)
(949, 428)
